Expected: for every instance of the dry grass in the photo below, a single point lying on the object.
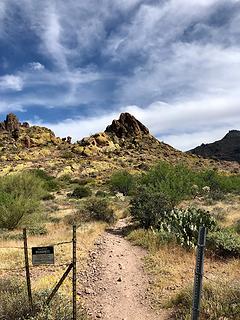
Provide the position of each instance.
(228, 209)
(172, 268)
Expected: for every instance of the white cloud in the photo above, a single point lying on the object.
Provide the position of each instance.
(188, 141)
(11, 82)
(36, 66)
(82, 127)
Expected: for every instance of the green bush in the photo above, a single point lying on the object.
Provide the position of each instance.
(13, 300)
(174, 181)
(68, 155)
(122, 181)
(237, 227)
(95, 209)
(101, 194)
(50, 182)
(32, 230)
(220, 300)
(219, 183)
(224, 243)
(82, 181)
(20, 197)
(179, 182)
(38, 230)
(149, 207)
(153, 209)
(98, 209)
(81, 192)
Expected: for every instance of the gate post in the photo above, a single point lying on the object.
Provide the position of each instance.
(74, 278)
(198, 273)
(27, 269)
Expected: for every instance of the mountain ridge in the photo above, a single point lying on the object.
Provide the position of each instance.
(125, 144)
(227, 148)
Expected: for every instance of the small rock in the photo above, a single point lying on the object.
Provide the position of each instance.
(89, 291)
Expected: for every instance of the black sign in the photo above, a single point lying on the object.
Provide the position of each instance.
(42, 255)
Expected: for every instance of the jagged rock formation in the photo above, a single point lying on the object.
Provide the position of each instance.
(226, 149)
(126, 133)
(11, 123)
(16, 135)
(127, 127)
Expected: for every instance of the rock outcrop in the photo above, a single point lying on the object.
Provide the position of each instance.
(17, 135)
(126, 133)
(227, 148)
(11, 123)
(127, 127)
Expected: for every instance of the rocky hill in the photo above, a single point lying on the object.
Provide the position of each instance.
(227, 148)
(126, 143)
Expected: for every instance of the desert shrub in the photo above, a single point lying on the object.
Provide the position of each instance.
(12, 294)
(50, 182)
(37, 230)
(101, 194)
(153, 209)
(149, 207)
(20, 197)
(82, 181)
(64, 180)
(237, 227)
(224, 243)
(179, 182)
(99, 209)
(14, 303)
(81, 192)
(174, 181)
(220, 300)
(122, 181)
(48, 197)
(95, 209)
(219, 183)
(68, 155)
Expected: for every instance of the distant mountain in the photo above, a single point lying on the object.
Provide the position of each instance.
(226, 149)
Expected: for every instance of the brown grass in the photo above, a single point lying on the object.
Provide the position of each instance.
(173, 268)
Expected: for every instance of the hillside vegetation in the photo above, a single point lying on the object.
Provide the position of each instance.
(49, 184)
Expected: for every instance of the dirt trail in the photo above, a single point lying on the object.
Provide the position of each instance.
(116, 284)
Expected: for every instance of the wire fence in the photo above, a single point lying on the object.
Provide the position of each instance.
(30, 248)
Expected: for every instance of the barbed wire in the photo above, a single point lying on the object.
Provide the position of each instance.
(31, 266)
(29, 248)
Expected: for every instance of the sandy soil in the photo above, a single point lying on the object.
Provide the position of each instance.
(116, 284)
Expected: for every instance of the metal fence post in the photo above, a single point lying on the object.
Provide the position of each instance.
(27, 269)
(198, 273)
(74, 278)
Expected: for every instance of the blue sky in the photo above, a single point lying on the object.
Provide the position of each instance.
(74, 65)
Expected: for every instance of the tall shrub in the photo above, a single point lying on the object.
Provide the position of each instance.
(174, 181)
(149, 207)
(20, 197)
(122, 181)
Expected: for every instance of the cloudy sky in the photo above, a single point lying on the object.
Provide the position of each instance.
(75, 65)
